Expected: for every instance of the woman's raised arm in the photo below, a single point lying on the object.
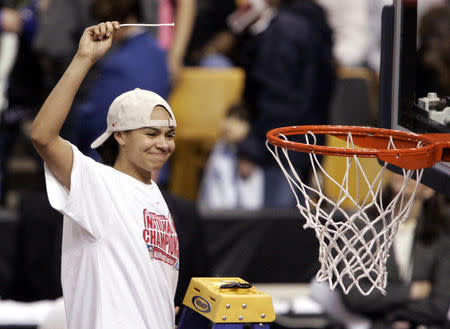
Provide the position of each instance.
(55, 151)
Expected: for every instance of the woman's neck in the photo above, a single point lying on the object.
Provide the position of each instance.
(141, 175)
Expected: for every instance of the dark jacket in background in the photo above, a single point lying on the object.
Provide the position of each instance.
(289, 74)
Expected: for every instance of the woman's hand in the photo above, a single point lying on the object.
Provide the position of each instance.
(96, 40)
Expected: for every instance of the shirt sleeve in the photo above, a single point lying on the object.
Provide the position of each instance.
(86, 201)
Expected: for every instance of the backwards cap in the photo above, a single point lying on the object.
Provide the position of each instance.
(133, 110)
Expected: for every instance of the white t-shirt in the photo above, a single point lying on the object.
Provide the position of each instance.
(120, 249)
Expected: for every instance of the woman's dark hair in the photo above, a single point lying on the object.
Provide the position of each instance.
(115, 10)
(109, 151)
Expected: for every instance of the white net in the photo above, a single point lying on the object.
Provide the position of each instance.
(354, 241)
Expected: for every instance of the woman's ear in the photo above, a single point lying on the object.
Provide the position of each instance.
(119, 136)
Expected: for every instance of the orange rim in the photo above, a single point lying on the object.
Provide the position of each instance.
(374, 142)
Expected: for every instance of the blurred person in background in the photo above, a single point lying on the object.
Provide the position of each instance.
(212, 42)
(61, 26)
(10, 23)
(350, 22)
(290, 75)
(433, 60)
(418, 285)
(22, 78)
(57, 45)
(221, 186)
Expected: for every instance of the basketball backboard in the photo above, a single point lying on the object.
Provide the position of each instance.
(404, 100)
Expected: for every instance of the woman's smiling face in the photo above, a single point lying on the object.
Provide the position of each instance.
(146, 149)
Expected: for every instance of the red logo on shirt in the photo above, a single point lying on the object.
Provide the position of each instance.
(161, 238)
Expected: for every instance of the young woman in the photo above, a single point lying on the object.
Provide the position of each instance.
(120, 248)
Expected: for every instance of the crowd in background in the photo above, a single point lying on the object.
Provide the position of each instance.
(290, 51)
(287, 72)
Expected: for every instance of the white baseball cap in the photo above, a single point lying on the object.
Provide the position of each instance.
(133, 110)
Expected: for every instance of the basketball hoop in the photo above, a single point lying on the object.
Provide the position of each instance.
(354, 243)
